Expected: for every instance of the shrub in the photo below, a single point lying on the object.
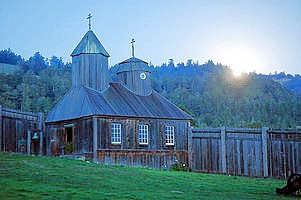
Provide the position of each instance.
(179, 166)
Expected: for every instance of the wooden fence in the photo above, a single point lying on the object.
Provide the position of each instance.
(15, 130)
(245, 152)
(234, 151)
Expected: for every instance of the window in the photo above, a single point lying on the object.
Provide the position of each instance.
(169, 135)
(116, 133)
(143, 134)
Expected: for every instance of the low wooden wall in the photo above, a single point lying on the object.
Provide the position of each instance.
(235, 151)
(245, 152)
(142, 158)
(15, 127)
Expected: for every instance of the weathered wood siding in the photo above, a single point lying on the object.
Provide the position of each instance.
(90, 70)
(132, 81)
(14, 126)
(142, 158)
(83, 136)
(129, 133)
(83, 139)
(247, 152)
(284, 153)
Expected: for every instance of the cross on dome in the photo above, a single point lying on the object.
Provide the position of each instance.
(89, 18)
(133, 48)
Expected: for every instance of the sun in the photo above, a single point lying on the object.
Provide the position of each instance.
(237, 73)
(240, 59)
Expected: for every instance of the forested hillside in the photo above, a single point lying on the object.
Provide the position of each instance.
(37, 86)
(217, 98)
(209, 92)
(287, 80)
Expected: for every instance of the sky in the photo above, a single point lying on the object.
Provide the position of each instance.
(262, 36)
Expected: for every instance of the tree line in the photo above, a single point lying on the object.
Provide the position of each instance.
(38, 86)
(209, 92)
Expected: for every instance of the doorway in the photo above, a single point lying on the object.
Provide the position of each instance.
(69, 140)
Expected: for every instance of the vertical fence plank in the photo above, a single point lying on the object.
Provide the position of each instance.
(258, 159)
(190, 146)
(28, 142)
(40, 127)
(284, 153)
(1, 131)
(239, 172)
(246, 157)
(223, 150)
(264, 143)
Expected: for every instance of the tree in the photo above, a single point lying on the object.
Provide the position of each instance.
(36, 63)
(56, 62)
(9, 57)
(171, 63)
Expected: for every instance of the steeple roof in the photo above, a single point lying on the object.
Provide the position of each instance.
(133, 60)
(133, 64)
(89, 45)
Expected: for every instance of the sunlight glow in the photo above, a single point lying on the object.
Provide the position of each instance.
(240, 59)
(237, 73)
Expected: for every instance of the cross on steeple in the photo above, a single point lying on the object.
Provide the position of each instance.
(133, 48)
(89, 18)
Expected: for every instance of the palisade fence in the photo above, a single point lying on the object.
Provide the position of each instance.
(234, 151)
(15, 130)
(245, 152)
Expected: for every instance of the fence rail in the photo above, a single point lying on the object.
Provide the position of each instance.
(245, 152)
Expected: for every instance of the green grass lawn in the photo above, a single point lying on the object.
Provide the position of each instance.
(28, 177)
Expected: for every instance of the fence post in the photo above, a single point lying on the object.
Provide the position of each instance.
(41, 143)
(190, 146)
(41, 120)
(223, 143)
(284, 154)
(95, 139)
(1, 132)
(28, 142)
(264, 142)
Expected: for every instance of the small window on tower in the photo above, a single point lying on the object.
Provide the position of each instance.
(143, 76)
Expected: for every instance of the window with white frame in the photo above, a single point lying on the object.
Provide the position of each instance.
(169, 135)
(143, 134)
(115, 133)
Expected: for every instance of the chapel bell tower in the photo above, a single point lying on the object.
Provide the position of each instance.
(135, 75)
(90, 62)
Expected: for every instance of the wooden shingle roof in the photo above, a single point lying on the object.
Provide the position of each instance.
(116, 100)
(133, 64)
(89, 44)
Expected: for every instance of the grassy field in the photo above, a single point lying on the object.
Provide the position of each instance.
(28, 177)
